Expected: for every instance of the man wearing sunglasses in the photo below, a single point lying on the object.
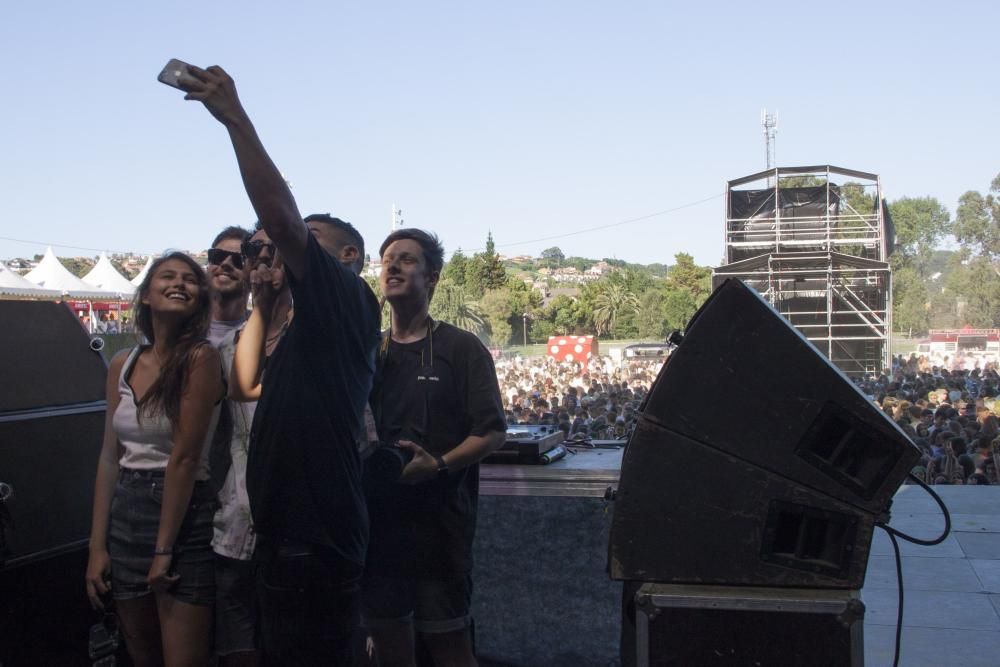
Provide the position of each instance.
(229, 283)
(234, 537)
(304, 469)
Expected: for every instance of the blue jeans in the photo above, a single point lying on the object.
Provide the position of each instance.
(309, 604)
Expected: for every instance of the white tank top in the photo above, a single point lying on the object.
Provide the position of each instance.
(148, 445)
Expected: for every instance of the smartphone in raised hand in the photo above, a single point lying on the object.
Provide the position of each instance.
(172, 71)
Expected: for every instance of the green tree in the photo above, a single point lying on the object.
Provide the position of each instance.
(678, 307)
(453, 304)
(911, 297)
(563, 315)
(613, 301)
(977, 223)
(806, 181)
(377, 291)
(455, 269)
(485, 271)
(78, 266)
(688, 277)
(921, 223)
(553, 255)
(856, 198)
(651, 320)
(581, 264)
(974, 289)
(497, 308)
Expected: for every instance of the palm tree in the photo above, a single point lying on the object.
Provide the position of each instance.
(453, 304)
(613, 301)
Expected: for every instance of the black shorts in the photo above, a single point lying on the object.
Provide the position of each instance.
(235, 608)
(434, 605)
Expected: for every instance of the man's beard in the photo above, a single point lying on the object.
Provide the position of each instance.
(231, 292)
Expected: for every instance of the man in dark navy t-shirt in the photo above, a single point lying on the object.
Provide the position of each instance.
(436, 397)
(304, 471)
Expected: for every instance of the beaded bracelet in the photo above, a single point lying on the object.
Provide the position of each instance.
(163, 552)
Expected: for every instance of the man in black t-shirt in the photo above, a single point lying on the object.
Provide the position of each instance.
(435, 397)
(303, 470)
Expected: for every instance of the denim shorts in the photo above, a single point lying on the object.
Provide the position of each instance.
(135, 521)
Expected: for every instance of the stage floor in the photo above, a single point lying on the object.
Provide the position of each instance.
(952, 611)
(952, 608)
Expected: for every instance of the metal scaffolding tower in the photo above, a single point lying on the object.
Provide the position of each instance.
(818, 252)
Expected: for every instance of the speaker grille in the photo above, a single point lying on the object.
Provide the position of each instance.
(852, 453)
(808, 538)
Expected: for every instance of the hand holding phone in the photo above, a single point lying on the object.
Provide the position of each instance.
(210, 86)
(173, 71)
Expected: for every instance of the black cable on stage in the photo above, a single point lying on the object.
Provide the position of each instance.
(893, 534)
(916, 540)
(899, 587)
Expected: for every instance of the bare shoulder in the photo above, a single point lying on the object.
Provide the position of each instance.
(206, 356)
(118, 361)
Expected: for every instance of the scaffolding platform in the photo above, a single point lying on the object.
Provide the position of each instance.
(818, 251)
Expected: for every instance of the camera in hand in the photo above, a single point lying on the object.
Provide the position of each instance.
(387, 462)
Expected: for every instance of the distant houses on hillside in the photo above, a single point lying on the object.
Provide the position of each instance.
(571, 274)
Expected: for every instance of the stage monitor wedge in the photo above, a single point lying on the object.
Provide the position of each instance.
(746, 382)
(755, 462)
(711, 518)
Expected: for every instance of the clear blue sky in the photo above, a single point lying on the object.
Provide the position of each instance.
(527, 119)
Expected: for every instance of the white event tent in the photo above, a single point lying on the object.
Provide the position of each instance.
(105, 277)
(142, 274)
(51, 274)
(13, 285)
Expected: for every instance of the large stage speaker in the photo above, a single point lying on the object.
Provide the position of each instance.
(755, 461)
(52, 406)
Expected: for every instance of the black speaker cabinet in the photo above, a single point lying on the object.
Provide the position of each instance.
(52, 406)
(47, 360)
(51, 424)
(744, 381)
(755, 461)
(712, 518)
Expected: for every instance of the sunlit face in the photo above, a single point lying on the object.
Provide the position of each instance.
(173, 289)
(405, 275)
(226, 278)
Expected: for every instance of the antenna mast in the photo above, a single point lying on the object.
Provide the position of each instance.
(397, 219)
(769, 121)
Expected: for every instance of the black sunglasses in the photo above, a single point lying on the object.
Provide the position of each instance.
(252, 249)
(217, 256)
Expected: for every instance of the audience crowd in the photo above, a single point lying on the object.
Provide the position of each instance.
(598, 400)
(949, 411)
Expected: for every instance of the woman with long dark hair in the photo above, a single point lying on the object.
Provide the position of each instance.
(150, 541)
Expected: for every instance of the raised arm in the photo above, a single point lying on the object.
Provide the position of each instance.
(269, 194)
(248, 361)
(251, 349)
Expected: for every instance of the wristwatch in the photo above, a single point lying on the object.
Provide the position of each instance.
(442, 467)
